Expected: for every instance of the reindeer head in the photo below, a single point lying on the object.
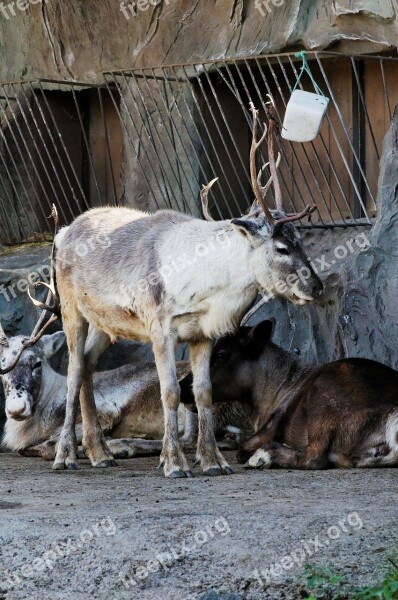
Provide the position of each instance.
(22, 384)
(277, 258)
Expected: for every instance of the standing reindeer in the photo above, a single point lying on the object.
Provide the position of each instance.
(132, 290)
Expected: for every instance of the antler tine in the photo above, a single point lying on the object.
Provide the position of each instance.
(264, 188)
(27, 344)
(273, 128)
(3, 337)
(204, 197)
(40, 329)
(307, 212)
(254, 147)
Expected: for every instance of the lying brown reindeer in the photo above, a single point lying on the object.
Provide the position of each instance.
(342, 414)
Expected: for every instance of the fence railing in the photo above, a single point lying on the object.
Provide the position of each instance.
(150, 137)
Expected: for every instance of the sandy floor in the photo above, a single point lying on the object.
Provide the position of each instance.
(76, 535)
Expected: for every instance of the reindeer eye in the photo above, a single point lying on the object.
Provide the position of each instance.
(221, 353)
(37, 365)
(284, 251)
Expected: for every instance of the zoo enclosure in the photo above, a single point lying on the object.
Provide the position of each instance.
(150, 137)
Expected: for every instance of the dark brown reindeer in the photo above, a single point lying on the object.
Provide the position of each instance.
(342, 414)
(132, 290)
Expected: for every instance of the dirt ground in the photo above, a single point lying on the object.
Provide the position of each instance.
(128, 532)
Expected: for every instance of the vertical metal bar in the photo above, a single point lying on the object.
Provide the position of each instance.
(175, 128)
(349, 141)
(358, 134)
(38, 129)
(360, 80)
(226, 148)
(17, 170)
(386, 93)
(148, 132)
(331, 165)
(65, 151)
(209, 137)
(130, 139)
(108, 149)
(200, 137)
(55, 146)
(170, 140)
(38, 152)
(88, 149)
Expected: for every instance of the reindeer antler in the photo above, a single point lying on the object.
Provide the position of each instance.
(39, 329)
(273, 132)
(254, 147)
(30, 342)
(204, 197)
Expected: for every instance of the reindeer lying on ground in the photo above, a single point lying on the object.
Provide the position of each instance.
(127, 400)
(342, 414)
(132, 290)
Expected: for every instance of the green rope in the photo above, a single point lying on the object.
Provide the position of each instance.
(306, 69)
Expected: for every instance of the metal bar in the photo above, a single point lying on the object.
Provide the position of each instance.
(204, 123)
(320, 166)
(165, 189)
(198, 79)
(108, 149)
(172, 142)
(132, 141)
(83, 130)
(358, 136)
(24, 164)
(386, 93)
(199, 137)
(65, 150)
(359, 77)
(243, 165)
(16, 195)
(175, 129)
(45, 147)
(55, 146)
(349, 141)
(12, 232)
(39, 154)
(333, 169)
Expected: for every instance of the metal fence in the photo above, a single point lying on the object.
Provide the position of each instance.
(151, 137)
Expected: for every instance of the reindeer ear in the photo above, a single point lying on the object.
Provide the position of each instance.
(50, 344)
(260, 335)
(245, 227)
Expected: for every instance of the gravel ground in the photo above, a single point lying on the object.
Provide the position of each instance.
(78, 535)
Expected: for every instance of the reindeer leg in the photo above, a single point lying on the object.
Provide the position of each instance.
(76, 328)
(208, 454)
(190, 436)
(94, 442)
(172, 458)
(279, 455)
(134, 447)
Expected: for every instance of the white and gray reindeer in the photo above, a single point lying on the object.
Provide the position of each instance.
(132, 290)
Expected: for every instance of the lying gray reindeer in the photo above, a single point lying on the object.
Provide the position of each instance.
(127, 400)
(342, 414)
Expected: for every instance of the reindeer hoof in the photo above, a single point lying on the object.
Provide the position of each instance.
(228, 470)
(59, 466)
(212, 472)
(260, 459)
(72, 466)
(189, 474)
(104, 464)
(177, 474)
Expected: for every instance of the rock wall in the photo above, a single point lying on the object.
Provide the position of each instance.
(78, 39)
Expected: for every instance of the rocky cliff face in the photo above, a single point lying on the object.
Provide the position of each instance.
(78, 39)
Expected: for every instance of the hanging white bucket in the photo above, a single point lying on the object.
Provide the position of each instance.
(304, 115)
